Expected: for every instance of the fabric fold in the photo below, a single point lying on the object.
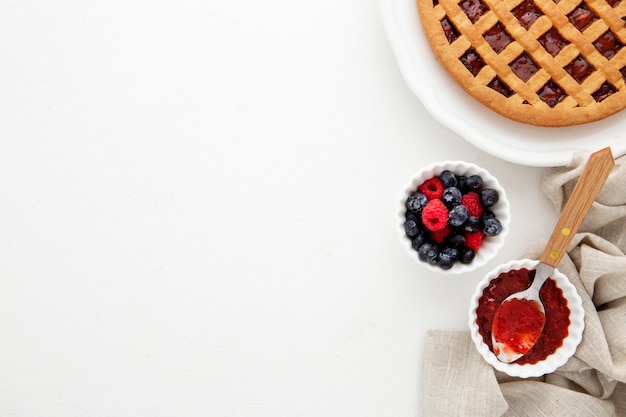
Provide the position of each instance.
(469, 383)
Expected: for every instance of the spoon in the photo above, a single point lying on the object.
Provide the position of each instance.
(520, 319)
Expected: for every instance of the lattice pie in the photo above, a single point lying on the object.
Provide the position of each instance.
(541, 62)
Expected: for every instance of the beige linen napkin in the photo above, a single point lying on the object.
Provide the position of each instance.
(458, 382)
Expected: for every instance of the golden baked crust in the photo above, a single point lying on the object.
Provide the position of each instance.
(540, 62)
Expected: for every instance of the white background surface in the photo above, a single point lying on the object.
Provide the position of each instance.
(198, 208)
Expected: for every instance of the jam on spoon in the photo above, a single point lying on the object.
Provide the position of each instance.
(516, 327)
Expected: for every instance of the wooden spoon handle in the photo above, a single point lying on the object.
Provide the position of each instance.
(591, 180)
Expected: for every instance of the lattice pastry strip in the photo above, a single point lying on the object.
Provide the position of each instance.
(535, 61)
(534, 52)
(497, 60)
(584, 40)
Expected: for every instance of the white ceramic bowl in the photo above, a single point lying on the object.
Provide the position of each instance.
(490, 245)
(556, 359)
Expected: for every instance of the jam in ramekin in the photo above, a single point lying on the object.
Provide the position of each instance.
(555, 304)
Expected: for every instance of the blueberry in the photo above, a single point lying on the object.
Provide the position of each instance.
(472, 224)
(455, 239)
(418, 240)
(474, 183)
(461, 183)
(411, 228)
(445, 261)
(458, 216)
(427, 253)
(448, 179)
(451, 252)
(489, 197)
(451, 196)
(466, 255)
(487, 214)
(492, 227)
(416, 202)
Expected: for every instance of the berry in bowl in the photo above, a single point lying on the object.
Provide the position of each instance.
(564, 318)
(454, 217)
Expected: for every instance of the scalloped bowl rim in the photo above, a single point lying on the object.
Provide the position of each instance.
(490, 246)
(553, 361)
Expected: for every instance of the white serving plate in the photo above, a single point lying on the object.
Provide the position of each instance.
(453, 107)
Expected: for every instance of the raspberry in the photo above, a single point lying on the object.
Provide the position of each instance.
(473, 240)
(471, 200)
(440, 235)
(432, 188)
(435, 215)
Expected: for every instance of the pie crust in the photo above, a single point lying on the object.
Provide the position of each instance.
(539, 62)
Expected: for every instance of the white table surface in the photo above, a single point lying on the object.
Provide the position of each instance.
(198, 208)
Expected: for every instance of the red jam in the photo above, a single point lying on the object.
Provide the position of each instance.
(517, 325)
(582, 17)
(500, 86)
(472, 61)
(474, 9)
(557, 313)
(552, 41)
(449, 30)
(497, 38)
(607, 44)
(579, 69)
(524, 67)
(603, 92)
(551, 94)
(527, 13)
